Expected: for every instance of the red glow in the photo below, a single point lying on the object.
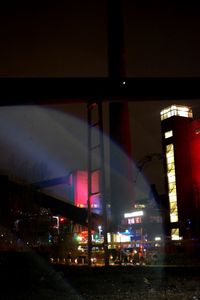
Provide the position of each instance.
(62, 219)
(195, 158)
(95, 182)
(84, 234)
(81, 189)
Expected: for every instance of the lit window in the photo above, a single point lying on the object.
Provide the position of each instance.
(172, 197)
(140, 206)
(171, 178)
(173, 207)
(176, 110)
(175, 234)
(168, 134)
(171, 172)
(171, 175)
(172, 187)
(173, 218)
(131, 221)
(171, 184)
(170, 159)
(171, 167)
(170, 149)
(137, 220)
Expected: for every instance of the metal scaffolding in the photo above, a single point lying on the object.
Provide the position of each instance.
(96, 162)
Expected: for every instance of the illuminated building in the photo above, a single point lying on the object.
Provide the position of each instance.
(145, 223)
(181, 145)
(78, 190)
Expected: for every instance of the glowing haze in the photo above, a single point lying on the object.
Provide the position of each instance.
(39, 143)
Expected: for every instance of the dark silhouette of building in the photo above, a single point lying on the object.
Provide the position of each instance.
(29, 214)
(4, 201)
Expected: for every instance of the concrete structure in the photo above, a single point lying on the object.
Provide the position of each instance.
(77, 190)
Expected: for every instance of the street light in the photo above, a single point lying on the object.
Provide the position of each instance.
(99, 227)
(120, 247)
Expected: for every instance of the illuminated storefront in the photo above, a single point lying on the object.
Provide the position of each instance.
(144, 224)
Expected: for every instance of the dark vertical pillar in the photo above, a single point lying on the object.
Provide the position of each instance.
(93, 145)
(4, 201)
(121, 178)
(103, 184)
(121, 183)
(89, 113)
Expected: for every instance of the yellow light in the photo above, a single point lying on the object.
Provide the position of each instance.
(172, 197)
(173, 218)
(168, 134)
(172, 181)
(176, 110)
(134, 214)
(171, 178)
(175, 234)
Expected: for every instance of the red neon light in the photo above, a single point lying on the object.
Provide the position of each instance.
(81, 189)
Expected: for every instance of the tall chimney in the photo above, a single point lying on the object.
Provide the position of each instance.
(121, 183)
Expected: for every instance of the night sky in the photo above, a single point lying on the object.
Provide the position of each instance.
(69, 39)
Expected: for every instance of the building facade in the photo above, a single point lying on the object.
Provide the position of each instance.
(77, 190)
(181, 145)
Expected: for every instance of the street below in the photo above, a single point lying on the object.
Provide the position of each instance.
(26, 275)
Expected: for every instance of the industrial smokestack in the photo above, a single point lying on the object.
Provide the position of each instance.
(121, 183)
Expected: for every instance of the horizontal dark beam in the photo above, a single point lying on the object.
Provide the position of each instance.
(51, 182)
(17, 91)
(57, 206)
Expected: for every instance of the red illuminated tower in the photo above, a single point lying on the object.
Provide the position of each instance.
(181, 145)
(78, 190)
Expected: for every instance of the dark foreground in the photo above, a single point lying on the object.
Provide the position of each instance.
(27, 276)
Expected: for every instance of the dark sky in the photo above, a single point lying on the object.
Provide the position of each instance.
(162, 38)
(69, 38)
(53, 38)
